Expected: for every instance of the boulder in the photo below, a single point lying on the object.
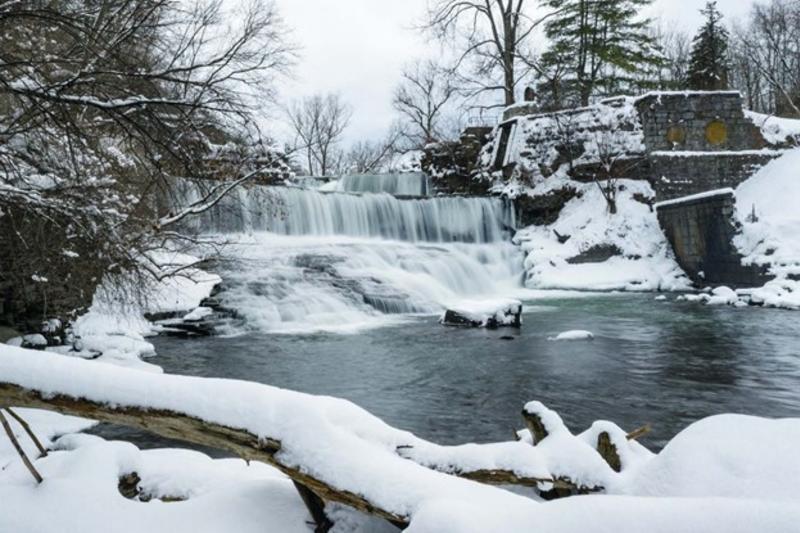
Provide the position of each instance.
(490, 314)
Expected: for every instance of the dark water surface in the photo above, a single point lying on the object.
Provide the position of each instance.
(664, 363)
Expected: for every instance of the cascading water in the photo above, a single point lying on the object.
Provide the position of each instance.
(408, 184)
(304, 260)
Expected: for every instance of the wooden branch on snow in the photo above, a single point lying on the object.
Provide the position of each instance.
(194, 430)
(21, 421)
(637, 434)
(28, 464)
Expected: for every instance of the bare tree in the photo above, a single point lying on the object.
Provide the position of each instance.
(493, 39)
(676, 47)
(102, 105)
(421, 99)
(319, 122)
(365, 157)
(770, 46)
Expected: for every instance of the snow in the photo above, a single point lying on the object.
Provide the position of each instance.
(115, 331)
(45, 425)
(536, 139)
(647, 262)
(198, 314)
(575, 335)
(776, 130)
(773, 193)
(694, 197)
(771, 240)
(502, 310)
(726, 473)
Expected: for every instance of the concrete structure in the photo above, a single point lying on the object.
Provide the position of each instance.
(701, 229)
(682, 142)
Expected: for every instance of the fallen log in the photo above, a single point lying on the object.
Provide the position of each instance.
(180, 426)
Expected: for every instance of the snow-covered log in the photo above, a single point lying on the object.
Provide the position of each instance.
(338, 451)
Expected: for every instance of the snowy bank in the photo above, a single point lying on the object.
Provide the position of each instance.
(767, 209)
(589, 248)
(712, 478)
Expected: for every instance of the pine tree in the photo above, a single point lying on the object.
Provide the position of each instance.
(598, 46)
(708, 68)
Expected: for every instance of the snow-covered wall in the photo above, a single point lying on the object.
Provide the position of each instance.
(681, 142)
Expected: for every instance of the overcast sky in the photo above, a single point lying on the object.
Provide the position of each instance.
(358, 48)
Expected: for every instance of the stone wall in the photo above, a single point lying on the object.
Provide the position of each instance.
(682, 142)
(674, 175)
(697, 122)
(701, 230)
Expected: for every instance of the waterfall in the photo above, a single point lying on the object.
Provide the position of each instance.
(305, 260)
(405, 184)
(304, 212)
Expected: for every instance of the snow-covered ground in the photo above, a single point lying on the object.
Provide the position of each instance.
(115, 329)
(714, 477)
(776, 130)
(773, 237)
(646, 262)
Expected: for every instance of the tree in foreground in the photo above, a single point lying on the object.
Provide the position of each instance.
(103, 106)
(709, 66)
(596, 48)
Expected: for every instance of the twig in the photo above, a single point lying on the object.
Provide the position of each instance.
(29, 431)
(637, 434)
(19, 449)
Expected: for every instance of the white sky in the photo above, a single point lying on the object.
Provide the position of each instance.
(358, 48)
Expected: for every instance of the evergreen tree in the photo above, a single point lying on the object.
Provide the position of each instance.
(598, 46)
(708, 68)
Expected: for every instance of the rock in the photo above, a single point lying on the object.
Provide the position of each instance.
(596, 254)
(31, 342)
(6, 334)
(491, 314)
(543, 210)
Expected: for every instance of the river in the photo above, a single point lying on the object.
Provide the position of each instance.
(341, 295)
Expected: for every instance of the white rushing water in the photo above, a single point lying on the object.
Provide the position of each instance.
(407, 184)
(305, 260)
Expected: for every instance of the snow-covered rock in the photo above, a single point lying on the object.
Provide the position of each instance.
(484, 314)
(575, 335)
